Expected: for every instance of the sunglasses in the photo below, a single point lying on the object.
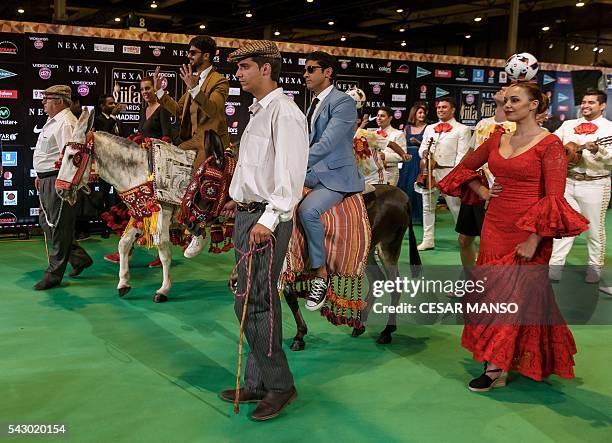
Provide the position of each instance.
(194, 52)
(310, 69)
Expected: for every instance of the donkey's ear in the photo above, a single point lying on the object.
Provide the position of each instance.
(90, 121)
(214, 146)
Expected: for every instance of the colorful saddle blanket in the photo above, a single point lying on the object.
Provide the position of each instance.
(347, 243)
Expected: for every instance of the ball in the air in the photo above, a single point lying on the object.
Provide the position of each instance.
(358, 95)
(523, 66)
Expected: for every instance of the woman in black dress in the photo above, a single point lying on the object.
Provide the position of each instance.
(154, 123)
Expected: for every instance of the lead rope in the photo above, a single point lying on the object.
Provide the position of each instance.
(249, 257)
(51, 225)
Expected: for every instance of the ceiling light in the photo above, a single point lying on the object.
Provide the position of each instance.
(248, 14)
(403, 43)
(545, 28)
(579, 4)
(600, 50)
(277, 32)
(343, 38)
(552, 45)
(331, 23)
(402, 29)
(202, 26)
(572, 46)
(468, 36)
(477, 19)
(576, 48)
(399, 10)
(153, 4)
(21, 10)
(309, 1)
(595, 49)
(117, 19)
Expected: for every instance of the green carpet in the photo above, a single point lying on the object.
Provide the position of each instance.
(129, 370)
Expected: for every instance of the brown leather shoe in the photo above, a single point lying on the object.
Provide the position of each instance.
(273, 403)
(245, 396)
(46, 283)
(77, 271)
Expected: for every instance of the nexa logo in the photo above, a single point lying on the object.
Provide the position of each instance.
(231, 77)
(398, 85)
(36, 112)
(346, 85)
(83, 69)
(287, 61)
(374, 104)
(127, 75)
(362, 65)
(68, 45)
(179, 53)
(290, 81)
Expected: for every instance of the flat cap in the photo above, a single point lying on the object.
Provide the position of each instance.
(61, 91)
(255, 48)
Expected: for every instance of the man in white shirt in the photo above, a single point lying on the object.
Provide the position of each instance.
(395, 150)
(588, 182)
(449, 143)
(57, 218)
(202, 107)
(266, 187)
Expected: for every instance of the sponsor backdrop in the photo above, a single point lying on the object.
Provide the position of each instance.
(31, 62)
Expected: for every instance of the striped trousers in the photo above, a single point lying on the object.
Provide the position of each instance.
(262, 373)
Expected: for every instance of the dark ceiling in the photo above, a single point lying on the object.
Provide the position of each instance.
(437, 26)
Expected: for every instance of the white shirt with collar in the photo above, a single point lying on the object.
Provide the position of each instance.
(56, 132)
(193, 91)
(321, 96)
(448, 147)
(393, 135)
(273, 158)
(595, 165)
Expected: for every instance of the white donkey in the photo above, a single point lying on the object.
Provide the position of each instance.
(125, 165)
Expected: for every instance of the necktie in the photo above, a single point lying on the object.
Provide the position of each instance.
(311, 111)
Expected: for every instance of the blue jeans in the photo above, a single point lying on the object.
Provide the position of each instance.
(314, 204)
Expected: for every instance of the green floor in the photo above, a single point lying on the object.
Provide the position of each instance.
(130, 370)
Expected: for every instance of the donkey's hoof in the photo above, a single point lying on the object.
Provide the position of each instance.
(384, 338)
(160, 298)
(358, 331)
(298, 344)
(123, 291)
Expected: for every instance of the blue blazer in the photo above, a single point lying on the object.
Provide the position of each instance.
(331, 156)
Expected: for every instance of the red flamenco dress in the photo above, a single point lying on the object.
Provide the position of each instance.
(536, 341)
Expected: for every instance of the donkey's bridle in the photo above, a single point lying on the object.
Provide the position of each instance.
(85, 152)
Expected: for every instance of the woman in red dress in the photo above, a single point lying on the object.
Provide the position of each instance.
(526, 211)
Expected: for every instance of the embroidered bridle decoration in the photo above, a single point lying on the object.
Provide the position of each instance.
(80, 160)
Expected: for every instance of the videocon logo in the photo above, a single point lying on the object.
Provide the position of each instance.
(4, 113)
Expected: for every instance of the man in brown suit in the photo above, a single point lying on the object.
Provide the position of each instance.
(201, 108)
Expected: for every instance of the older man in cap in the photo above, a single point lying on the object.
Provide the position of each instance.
(57, 218)
(265, 189)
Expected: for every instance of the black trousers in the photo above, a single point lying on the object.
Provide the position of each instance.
(63, 248)
(262, 373)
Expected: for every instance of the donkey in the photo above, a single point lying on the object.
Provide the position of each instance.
(125, 165)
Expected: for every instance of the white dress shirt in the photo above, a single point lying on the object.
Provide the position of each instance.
(56, 132)
(273, 158)
(448, 147)
(594, 165)
(397, 136)
(321, 96)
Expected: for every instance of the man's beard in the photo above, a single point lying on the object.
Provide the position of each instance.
(196, 65)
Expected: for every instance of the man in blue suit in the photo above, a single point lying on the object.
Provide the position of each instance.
(332, 172)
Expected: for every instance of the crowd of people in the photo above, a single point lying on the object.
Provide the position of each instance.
(509, 183)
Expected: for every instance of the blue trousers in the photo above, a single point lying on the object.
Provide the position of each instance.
(314, 204)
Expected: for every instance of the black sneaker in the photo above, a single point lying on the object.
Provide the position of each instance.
(317, 294)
